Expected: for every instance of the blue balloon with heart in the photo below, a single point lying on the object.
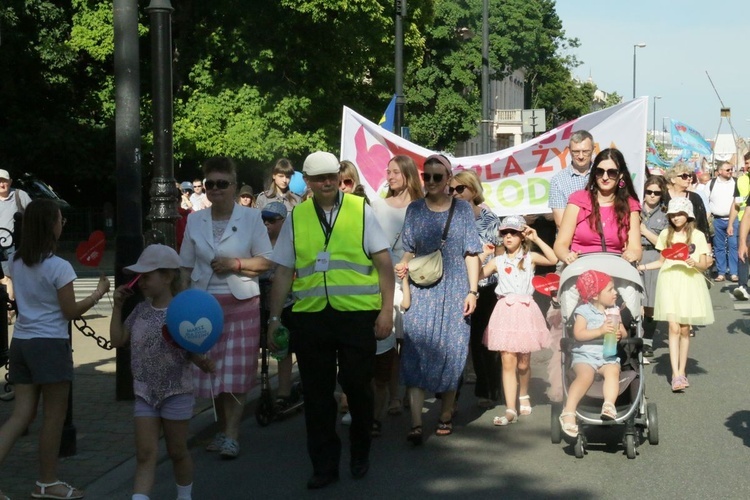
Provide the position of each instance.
(195, 320)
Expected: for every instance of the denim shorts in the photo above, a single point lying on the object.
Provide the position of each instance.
(40, 361)
(592, 358)
(177, 407)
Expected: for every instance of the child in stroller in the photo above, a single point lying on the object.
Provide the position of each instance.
(597, 291)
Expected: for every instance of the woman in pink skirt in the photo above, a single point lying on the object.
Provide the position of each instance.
(517, 326)
(225, 249)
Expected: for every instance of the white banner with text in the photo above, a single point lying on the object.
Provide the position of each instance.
(515, 180)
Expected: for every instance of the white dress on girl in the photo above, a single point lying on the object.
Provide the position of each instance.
(517, 324)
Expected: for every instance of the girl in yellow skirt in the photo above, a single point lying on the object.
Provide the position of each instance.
(682, 297)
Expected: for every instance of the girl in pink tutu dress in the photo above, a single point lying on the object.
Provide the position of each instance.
(517, 326)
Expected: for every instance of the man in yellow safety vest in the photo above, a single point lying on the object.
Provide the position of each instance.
(333, 255)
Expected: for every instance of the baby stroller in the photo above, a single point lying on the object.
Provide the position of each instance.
(634, 416)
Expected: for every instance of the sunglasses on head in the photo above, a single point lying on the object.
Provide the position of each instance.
(655, 193)
(611, 172)
(346, 182)
(685, 176)
(458, 189)
(220, 184)
(436, 178)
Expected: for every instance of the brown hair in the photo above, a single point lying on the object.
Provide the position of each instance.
(38, 240)
(411, 175)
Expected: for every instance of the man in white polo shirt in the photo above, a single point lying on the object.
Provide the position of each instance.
(720, 200)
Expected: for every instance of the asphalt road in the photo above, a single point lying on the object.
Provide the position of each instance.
(704, 449)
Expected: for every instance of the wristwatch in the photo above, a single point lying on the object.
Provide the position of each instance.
(474, 293)
(273, 318)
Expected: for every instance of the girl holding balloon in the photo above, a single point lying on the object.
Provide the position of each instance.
(162, 375)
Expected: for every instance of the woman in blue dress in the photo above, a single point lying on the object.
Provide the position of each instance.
(436, 326)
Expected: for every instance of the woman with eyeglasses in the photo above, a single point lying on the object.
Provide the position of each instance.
(278, 189)
(679, 180)
(653, 221)
(404, 186)
(465, 185)
(224, 250)
(436, 326)
(605, 216)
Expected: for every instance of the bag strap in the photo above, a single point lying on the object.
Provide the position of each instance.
(600, 228)
(447, 223)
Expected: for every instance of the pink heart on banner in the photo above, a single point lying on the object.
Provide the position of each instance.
(371, 161)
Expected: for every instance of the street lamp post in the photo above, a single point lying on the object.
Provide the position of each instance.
(485, 128)
(636, 46)
(653, 130)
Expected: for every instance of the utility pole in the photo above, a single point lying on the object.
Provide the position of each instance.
(485, 128)
(400, 11)
(129, 239)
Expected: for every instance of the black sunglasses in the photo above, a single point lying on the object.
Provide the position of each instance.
(272, 220)
(611, 172)
(436, 178)
(220, 184)
(685, 176)
(509, 231)
(655, 193)
(458, 189)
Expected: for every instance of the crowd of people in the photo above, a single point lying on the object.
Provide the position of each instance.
(346, 275)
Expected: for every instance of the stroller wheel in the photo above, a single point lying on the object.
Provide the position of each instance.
(579, 448)
(652, 424)
(264, 412)
(555, 429)
(630, 446)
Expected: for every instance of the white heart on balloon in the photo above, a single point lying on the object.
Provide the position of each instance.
(196, 333)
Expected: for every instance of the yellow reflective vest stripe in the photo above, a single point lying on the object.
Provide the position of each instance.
(351, 281)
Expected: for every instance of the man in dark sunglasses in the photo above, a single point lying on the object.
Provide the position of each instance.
(344, 287)
(198, 199)
(574, 178)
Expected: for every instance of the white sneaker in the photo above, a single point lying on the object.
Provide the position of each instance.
(346, 419)
(740, 293)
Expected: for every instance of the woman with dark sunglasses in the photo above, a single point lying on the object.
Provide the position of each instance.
(465, 185)
(605, 216)
(679, 180)
(436, 326)
(224, 250)
(653, 221)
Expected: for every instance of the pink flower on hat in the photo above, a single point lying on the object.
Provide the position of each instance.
(591, 283)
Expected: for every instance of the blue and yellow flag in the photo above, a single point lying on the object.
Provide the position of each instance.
(388, 120)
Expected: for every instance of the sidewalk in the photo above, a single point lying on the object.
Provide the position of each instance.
(104, 426)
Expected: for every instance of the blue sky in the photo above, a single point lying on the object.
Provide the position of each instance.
(684, 39)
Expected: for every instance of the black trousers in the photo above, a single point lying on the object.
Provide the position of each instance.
(487, 364)
(324, 341)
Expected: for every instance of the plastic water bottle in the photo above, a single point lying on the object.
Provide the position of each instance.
(610, 338)
(281, 339)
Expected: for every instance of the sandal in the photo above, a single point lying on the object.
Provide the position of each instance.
(502, 421)
(377, 428)
(719, 279)
(677, 384)
(217, 442)
(71, 494)
(569, 429)
(609, 412)
(394, 407)
(415, 435)
(734, 278)
(444, 428)
(525, 409)
(685, 382)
